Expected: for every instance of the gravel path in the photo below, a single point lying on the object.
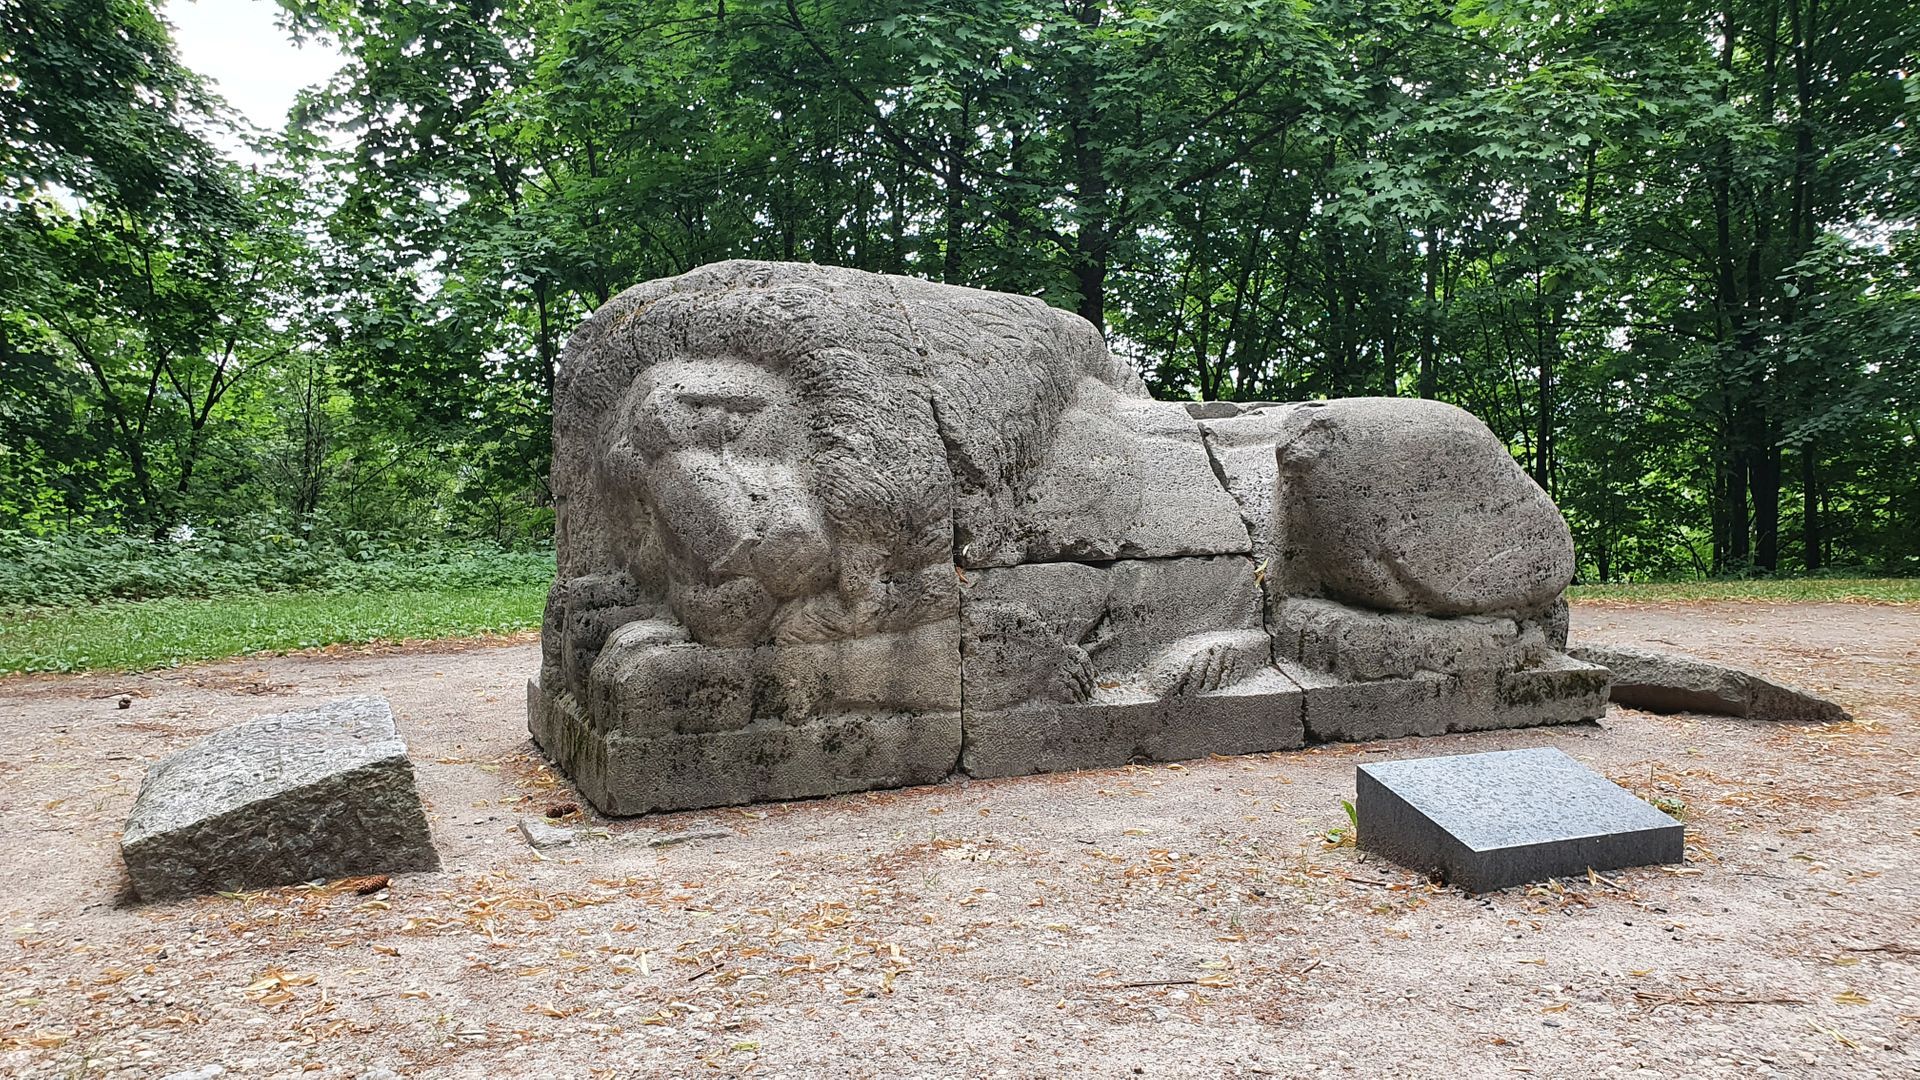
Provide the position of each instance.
(1163, 921)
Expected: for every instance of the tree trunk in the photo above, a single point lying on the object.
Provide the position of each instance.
(1429, 317)
(1764, 487)
(1732, 547)
(1810, 505)
(1546, 364)
(543, 341)
(1090, 168)
(898, 214)
(952, 269)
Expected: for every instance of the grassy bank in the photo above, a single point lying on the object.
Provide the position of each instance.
(133, 635)
(1760, 590)
(124, 635)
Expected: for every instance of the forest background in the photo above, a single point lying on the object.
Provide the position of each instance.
(1668, 249)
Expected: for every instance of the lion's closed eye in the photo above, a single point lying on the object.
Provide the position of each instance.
(738, 402)
(713, 417)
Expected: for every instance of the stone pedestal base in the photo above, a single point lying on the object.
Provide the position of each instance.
(767, 760)
(623, 772)
(1114, 728)
(1560, 690)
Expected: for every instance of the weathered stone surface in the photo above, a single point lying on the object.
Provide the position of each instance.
(768, 759)
(1125, 478)
(1669, 682)
(1397, 504)
(1221, 410)
(1114, 726)
(1245, 445)
(320, 793)
(765, 476)
(650, 681)
(1055, 449)
(821, 530)
(1488, 821)
(1212, 410)
(1559, 690)
(1357, 644)
(543, 834)
(1071, 665)
(688, 837)
(750, 451)
(1371, 675)
(1056, 631)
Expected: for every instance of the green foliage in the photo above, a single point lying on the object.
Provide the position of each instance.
(92, 99)
(161, 318)
(132, 636)
(1848, 590)
(1344, 835)
(72, 570)
(1669, 252)
(1671, 806)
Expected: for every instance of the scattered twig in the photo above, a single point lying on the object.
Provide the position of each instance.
(1149, 982)
(1692, 998)
(1311, 964)
(1889, 947)
(1370, 881)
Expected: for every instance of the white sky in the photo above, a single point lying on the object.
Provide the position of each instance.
(253, 63)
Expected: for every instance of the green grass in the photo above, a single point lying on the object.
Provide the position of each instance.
(1761, 590)
(123, 635)
(134, 635)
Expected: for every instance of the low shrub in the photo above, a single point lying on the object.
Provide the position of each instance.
(66, 571)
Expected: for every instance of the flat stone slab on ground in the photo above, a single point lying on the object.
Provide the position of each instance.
(1487, 821)
(325, 792)
(1670, 682)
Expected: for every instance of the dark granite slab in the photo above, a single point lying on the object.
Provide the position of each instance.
(1487, 821)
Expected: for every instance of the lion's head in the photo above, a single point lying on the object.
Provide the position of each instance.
(776, 450)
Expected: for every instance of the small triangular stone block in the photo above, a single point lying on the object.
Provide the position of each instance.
(321, 793)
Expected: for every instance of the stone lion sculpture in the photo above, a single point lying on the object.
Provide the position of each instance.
(822, 530)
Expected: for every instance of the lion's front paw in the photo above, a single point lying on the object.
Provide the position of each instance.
(814, 619)
(1073, 681)
(1207, 662)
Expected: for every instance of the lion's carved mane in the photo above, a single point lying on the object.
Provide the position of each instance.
(921, 400)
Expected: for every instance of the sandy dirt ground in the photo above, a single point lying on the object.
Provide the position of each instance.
(1147, 921)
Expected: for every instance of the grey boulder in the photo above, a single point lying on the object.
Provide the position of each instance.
(320, 793)
(1669, 682)
(1402, 504)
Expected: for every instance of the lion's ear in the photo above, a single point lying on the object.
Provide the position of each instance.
(1300, 449)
